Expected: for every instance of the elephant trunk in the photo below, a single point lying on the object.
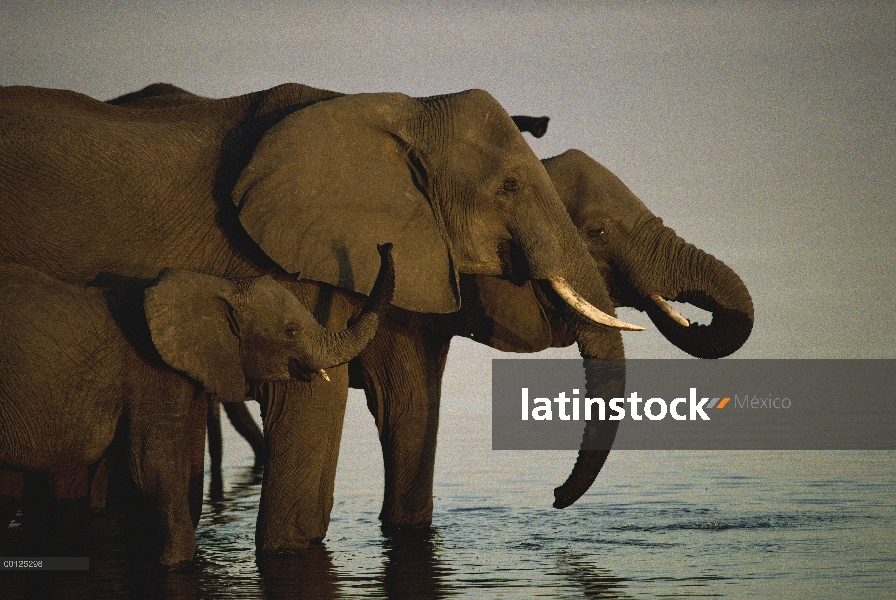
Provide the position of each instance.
(342, 346)
(603, 379)
(676, 270)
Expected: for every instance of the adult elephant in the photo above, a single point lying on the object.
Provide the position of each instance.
(299, 182)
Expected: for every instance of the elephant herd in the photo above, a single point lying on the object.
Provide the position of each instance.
(163, 249)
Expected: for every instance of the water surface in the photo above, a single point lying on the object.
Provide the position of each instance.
(655, 524)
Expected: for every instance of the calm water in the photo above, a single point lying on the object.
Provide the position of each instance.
(724, 524)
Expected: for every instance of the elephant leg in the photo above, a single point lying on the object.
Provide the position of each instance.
(302, 432)
(198, 418)
(402, 368)
(161, 468)
(99, 484)
(215, 447)
(242, 421)
(39, 516)
(71, 503)
(54, 511)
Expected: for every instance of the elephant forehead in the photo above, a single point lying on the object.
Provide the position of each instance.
(472, 117)
(590, 191)
(268, 300)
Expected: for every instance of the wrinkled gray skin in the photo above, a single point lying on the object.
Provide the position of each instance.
(637, 257)
(164, 95)
(300, 181)
(77, 359)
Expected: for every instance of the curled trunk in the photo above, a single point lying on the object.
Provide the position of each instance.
(676, 270)
(342, 346)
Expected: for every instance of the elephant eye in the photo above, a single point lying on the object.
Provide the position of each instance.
(292, 330)
(596, 233)
(510, 184)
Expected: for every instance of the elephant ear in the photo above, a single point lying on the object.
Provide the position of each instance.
(191, 326)
(329, 182)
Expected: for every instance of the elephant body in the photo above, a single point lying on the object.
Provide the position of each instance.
(297, 182)
(144, 157)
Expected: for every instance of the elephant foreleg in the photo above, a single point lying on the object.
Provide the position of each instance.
(215, 447)
(162, 468)
(402, 369)
(302, 432)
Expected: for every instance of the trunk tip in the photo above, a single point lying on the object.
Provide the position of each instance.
(560, 502)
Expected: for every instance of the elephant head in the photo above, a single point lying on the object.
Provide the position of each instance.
(448, 179)
(222, 332)
(643, 263)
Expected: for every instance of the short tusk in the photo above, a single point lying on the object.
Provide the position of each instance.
(323, 375)
(670, 312)
(581, 305)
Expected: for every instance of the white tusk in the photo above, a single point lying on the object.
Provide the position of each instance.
(581, 305)
(670, 312)
(323, 375)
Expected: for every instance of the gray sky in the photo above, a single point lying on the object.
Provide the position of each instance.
(764, 133)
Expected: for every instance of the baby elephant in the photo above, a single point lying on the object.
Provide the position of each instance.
(76, 360)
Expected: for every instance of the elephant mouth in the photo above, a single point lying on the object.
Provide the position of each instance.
(624, 293)
(621, 290)
(303, 373)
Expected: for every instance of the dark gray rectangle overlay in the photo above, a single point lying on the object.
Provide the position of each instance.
(772, 404)
(43, 563)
